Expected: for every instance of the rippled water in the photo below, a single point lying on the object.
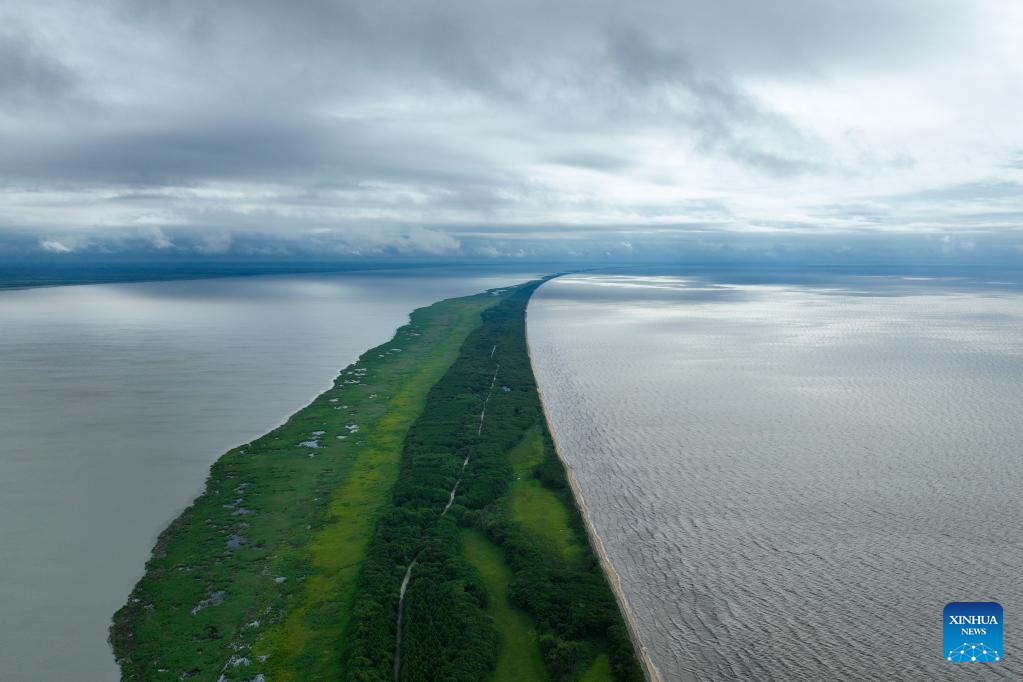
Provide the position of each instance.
(793, 480)
(114, 401)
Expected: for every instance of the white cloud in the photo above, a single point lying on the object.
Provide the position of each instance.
(159, 240)
(214, 243)
(432, 242)
(55, 246)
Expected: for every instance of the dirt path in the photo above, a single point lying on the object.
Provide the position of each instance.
(451, 499)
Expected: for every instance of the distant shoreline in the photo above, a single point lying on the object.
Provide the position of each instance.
(41, 276)
(649, 669)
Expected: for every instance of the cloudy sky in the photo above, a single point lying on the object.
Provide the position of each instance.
(479, 129)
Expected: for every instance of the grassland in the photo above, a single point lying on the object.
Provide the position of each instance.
(599, 671)
(538, 509)
(258, 574)
(518, 657)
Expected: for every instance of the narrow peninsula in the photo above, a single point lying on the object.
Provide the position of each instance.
(414, 522)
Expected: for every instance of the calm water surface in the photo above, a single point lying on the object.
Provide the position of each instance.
(114, 401)
(793, 479)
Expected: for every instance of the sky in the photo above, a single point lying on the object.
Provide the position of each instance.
(598, 130)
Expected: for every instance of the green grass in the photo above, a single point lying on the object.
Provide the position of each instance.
(518, 658)
(540, 510)
(305, 515)
(599, 671)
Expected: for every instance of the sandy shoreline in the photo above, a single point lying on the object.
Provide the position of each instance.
(649, 669)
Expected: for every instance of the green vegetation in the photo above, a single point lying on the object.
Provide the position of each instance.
(482, 434)
(544, 512)
(264, 562)
(429, 458)
(599, 671)
(518, 655)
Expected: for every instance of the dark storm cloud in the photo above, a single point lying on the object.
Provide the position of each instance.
(715, 111)
(474, 128)
(268, 75)
(184, 152)
(29, 73)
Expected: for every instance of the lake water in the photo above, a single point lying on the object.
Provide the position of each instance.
(114, 401)
(792, 479)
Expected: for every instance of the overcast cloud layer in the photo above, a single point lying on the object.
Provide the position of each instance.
(512, 129)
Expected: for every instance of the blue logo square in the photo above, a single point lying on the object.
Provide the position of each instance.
(972, 632)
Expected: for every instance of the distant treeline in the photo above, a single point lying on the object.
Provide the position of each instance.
(447, 634)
